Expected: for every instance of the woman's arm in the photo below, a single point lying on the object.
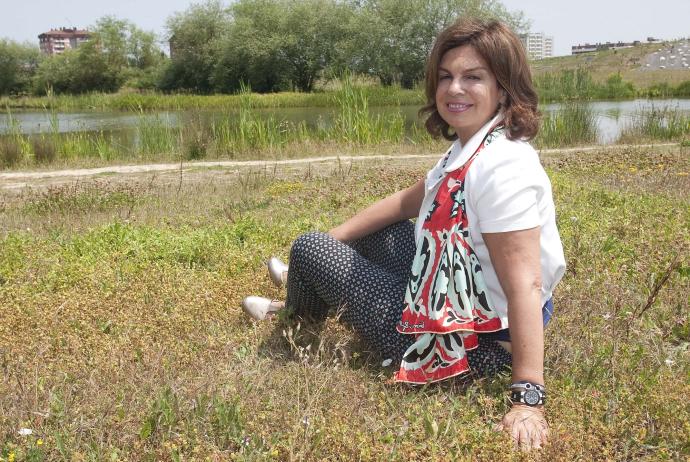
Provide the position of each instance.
(515, 256)
(399, 206)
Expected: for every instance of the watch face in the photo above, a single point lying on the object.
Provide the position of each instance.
(531, 397)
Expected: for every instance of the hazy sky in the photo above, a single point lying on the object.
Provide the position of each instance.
(569, 22)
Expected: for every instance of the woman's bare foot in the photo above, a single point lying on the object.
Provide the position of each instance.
(261, 308)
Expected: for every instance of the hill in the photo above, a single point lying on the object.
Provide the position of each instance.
(630, 62)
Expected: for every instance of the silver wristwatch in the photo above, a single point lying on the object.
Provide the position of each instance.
(531, 394)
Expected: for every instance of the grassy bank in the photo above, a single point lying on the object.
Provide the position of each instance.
(135, 101)
(553, 84)
(121, 336)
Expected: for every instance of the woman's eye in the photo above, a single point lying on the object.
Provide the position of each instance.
(472, 77)
(443, 77)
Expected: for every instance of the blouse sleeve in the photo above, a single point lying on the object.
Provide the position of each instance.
(508, 184)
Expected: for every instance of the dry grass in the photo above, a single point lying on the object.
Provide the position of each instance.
(121, 336)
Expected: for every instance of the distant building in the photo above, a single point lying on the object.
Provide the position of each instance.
(589, 48)
(56, 41)
(537, 45)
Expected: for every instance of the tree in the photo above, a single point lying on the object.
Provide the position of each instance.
(18, 64)
(395, 37)
(130, 53)
(195, 37)
(116, 52)
(282, 44)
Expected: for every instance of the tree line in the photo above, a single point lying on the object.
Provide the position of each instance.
(267, 45)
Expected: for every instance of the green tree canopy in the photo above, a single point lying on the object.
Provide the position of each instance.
(195, 38)
(18, 63)
(281, 44)
(117, 52)
(396, 37)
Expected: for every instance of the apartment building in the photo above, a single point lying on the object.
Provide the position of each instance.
(56, 41)
(537, 45)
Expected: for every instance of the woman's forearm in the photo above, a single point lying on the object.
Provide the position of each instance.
(515, 256)
(402, 205)
(527, 335)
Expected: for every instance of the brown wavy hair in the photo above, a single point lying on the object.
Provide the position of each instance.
(505, 55)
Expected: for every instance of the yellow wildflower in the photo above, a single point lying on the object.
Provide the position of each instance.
(39, 442)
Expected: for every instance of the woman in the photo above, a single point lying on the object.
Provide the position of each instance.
(484, 253)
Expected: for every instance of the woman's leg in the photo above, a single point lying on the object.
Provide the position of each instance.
(489, 358)
(392, 248)
(325, 272)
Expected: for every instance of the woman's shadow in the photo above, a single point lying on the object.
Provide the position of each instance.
(328, 342)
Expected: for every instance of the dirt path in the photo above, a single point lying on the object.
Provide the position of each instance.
(37, 179)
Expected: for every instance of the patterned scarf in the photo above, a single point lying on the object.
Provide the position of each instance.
(446, 300)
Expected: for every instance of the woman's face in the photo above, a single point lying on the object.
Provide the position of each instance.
(467, 95)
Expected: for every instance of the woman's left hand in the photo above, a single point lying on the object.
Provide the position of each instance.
(527, 425)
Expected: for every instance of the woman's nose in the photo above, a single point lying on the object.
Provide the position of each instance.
(455, 87)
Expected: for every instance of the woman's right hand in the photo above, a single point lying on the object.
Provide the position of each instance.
(526, 425)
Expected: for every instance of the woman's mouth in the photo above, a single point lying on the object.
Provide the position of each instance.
(458, 107)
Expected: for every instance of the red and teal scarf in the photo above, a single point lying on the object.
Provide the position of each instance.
(447, 302)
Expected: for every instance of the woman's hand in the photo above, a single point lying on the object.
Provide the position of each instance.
(527, 425)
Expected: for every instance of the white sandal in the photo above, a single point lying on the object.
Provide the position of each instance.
(277, 269)
(260, 308)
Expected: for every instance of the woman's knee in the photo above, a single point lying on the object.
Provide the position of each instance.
(310, 243)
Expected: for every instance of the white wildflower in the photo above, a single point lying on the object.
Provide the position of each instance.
(386, 362)
(25, 431)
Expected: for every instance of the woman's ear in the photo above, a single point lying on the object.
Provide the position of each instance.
(503, 99)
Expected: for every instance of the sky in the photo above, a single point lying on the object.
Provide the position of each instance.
(568, 22)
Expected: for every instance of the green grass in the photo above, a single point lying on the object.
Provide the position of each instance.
(121, 336)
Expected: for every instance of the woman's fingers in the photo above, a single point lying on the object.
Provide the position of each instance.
(527, 427)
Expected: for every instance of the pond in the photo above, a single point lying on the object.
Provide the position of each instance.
(611, 117)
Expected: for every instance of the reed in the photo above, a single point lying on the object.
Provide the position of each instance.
(657, 124)
(356, 124)
(574, 124)
(155, 135)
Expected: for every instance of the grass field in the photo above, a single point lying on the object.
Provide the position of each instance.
(121, 336)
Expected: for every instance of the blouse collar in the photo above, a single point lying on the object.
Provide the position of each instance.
(459, 154)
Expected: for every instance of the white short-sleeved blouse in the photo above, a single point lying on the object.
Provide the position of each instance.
(506, 189)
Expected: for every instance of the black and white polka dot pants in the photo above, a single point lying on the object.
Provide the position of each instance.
(365, 280)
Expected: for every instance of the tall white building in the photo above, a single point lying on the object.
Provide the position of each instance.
(537, 45)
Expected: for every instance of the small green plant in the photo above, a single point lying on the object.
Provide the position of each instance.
(162, 417)
(227, 422)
